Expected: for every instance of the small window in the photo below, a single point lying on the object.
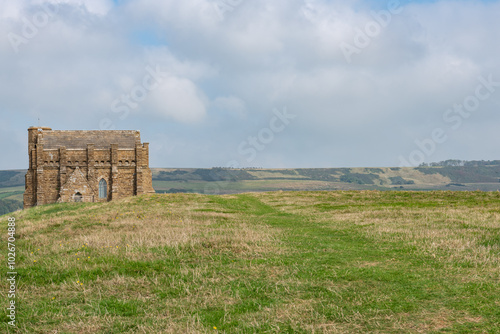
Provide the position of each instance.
(103, 189)
(78, 197)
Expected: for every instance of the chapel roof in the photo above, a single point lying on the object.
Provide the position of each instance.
(102, 139)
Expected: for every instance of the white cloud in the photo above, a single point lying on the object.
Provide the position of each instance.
(178, 99)
(224, 76)
(98, 7)
(20, 8)
(191, 69)
(232, 105)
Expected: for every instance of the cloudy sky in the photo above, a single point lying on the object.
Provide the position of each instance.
(271, 83)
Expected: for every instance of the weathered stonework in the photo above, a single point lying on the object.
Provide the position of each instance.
(85, 166)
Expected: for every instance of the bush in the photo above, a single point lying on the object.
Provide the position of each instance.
(398, 180)
(359, 178)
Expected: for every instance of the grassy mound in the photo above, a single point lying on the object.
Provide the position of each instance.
(282, 262)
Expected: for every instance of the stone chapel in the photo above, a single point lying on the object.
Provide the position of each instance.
(85, 166)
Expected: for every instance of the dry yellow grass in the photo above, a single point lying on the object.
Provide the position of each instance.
(316, 262)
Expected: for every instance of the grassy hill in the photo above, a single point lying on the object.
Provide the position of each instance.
(467, 176)
(276, 262)
(11, 190)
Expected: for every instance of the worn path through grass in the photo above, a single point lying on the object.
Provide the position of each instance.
(283, 262)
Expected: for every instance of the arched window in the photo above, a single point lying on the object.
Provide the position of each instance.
(78, 197)
(103, 189)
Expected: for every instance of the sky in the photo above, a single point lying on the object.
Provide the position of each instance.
(257, 83)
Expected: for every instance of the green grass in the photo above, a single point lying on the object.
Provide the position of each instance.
(12, 190)
(282, 262)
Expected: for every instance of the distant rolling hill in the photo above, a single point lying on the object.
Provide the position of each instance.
(448, 175)
(483, 176)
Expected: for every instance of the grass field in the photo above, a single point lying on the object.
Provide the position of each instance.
(15, 193)
(280, 262)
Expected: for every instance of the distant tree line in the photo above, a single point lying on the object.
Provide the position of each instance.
(237, 167)
(461, 163)
(215, 174)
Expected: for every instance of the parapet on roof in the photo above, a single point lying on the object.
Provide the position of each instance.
(54, 139)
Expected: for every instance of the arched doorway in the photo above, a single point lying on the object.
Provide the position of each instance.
(78, 197)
